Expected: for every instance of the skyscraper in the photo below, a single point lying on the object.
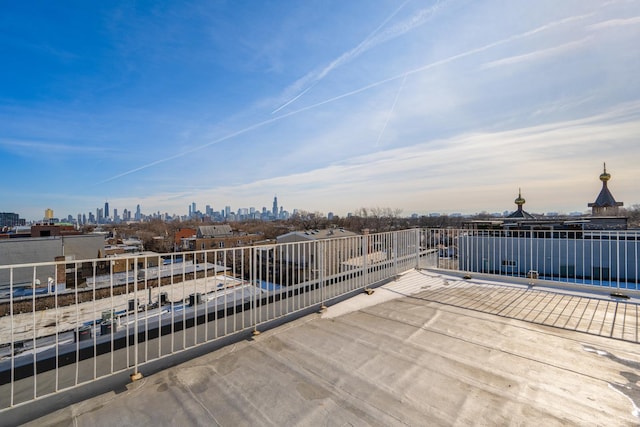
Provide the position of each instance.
(106, 209)
(275, 207)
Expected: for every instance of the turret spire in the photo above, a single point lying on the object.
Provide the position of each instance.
(605, 204)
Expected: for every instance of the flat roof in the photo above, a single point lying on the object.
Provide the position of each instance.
(426, 349)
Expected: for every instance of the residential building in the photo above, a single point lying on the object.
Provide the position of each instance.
(306, 251)
(72, 247)
(211, 237)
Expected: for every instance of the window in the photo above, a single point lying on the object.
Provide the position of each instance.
(221, 245)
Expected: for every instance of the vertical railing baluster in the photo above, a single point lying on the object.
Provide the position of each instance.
(172, 303)
(112, 316)
(11, 337)
(195, 299)
(158, 306)
(184, 305)
(77, 332)
(57, 316)
(34, 329)
(126, 316)
(135, 317)
(93, 321)
(254, 254)
(322, 265)
(147, 293)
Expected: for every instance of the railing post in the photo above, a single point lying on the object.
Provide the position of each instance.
(417, 244)
(321, 251)
(13, 344)
(35, 353)
(254, 262)
(395, 253)
(365, 257)
(136, 375)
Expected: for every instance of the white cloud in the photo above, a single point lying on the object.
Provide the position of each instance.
(37, 148)
(539, 54)
(470, 171)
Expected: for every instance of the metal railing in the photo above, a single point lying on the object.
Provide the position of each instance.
(98, 317)
(584, 257)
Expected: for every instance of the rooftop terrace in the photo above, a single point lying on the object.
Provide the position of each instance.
(424, 349)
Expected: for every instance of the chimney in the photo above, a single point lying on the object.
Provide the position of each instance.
(61, 272)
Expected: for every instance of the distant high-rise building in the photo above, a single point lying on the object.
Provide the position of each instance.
(106, 209)
(99, 215)
(8, 219)
(193, 209)
(227, 211)
(138, 216)
(274, 210)
(48, 213)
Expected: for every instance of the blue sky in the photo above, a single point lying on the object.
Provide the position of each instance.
(425, 106)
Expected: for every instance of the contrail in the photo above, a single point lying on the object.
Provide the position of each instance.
(198, 148)
(369, 42)
(294, 98)
(393, 107)
(440, 62)
(351, 93)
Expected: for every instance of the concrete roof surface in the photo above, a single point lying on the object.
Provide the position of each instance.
(423, 350)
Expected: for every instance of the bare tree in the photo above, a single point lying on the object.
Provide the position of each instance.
(633, 213)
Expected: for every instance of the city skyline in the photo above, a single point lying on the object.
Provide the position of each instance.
(437, 106)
